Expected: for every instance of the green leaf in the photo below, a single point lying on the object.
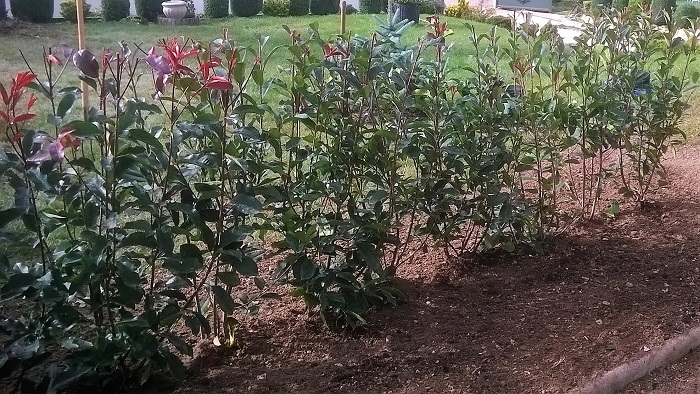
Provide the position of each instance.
(229, 278)
(145, 373)
(90, 81)
(182, 266)
(259, 282)
(223, 299)
(28, 142)
(165, 240)
(65, 105)
(191, 251)
(271, 296)
(169, 315)
(193, 324)
(69, 375)
(128, 274)
(76, 343)
(242, 263)
(145, 137)
(127, 118)
(204, 322)
(96, 186)
(83, 162)
(179, 343)
(129, 295)
(53, 120)
(84, 129)
(239, 73)
(613, 210)
(145, 345)
(247, 205)
(508, 246)
(307, 269)
(17, 284)
(65, 314)
(9, 215)
(91, 212)
(139, 238)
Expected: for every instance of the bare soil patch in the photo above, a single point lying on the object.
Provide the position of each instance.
(521, 323)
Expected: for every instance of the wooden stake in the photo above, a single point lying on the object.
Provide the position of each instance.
(343, 16)
(81, 45)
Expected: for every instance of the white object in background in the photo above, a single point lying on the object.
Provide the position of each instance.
(175, 9)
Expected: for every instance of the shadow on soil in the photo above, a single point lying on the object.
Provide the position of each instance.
(521, 324)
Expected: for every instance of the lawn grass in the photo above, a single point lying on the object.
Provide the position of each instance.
(30, 39)
(243, 30)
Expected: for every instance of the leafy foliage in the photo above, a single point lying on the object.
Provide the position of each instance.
(427, 6)
(620, 4)
(324, 7)
(501, 21)
(38, 11)
(276, 7)
(69, 10)
(640, 4)
(115, 10)
(298, 7)
(148, 10)
(149, 212)
(686, 13)
(246, 8)
(370, 6)
(662, 11)
(462, 10)
(216, 8)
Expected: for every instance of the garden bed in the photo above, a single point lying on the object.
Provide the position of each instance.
(507, 324)
(162, 224)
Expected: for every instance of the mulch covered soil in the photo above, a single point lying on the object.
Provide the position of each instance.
(525, 323)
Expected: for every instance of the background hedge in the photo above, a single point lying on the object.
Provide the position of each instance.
(216, 8)
(659, 9)
(370, 6)
(246, 8)
(687, 12)
(148, 9)
(324, 7)
(36, 11)
(276, 7)
(298, 7)
(115, 10)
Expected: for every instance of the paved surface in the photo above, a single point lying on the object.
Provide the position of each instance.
(568, 28)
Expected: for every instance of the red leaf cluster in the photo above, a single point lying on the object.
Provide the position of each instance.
(11, 99)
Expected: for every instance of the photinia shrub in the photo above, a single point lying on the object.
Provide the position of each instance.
(141, 223)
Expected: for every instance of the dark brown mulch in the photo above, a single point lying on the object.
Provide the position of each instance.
(525, 323)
